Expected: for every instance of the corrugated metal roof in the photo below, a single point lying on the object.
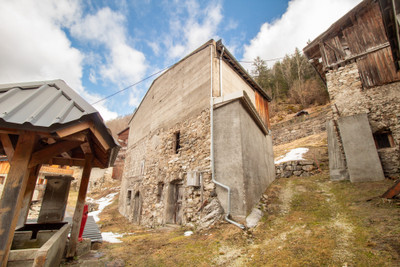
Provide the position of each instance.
(49, 106)
(41, 104)
(91, 230)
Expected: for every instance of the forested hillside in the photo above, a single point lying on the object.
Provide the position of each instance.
(292, 80)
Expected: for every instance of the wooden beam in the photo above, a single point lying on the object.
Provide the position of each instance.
(51, 151)
(76, 221)
(65, 161)
(100, 138)
(13, 192)
(73, 129)
(30, 189)
(392, 191)
(7, 145)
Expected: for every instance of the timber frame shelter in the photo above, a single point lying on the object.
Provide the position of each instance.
(46, 123)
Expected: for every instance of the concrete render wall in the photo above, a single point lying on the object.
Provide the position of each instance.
(232, 82)
(179, 93)
(243, 158)
(380, 103)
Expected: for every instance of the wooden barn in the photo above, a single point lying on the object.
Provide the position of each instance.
(358, 59)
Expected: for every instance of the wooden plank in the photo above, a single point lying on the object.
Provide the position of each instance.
(77, 218)
(74, 129)
(52, 151)
(392, 191)
(7, 145)
(13, 192)
(100, 138)
(30, 189)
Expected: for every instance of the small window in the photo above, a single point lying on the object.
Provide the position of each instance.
(160, 188)
(2, 178)
(129, 198)
(142, 167)
(383, 139)
(177, 142)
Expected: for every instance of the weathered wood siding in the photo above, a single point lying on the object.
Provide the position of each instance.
(262, 109)
(359, 37)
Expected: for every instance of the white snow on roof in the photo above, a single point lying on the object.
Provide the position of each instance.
(294, 154)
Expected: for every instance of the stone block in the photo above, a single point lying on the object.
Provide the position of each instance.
(308, 168)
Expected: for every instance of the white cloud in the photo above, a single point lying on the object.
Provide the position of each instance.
(124, 63)
(191, 26)
(303, 20)
(35, 47)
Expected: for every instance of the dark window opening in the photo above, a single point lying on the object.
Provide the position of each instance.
(2, 178)
(177, 142)
(383, 139)
(129, 197)
(160, 189)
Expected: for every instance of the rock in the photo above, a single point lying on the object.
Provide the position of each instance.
(297, 173)
(308, 168)
(254, 217)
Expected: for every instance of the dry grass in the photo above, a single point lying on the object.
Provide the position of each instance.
(308, 222)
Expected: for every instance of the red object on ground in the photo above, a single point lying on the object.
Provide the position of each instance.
(83, 222)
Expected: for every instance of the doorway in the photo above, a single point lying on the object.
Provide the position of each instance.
(174, 203)
(137, 208)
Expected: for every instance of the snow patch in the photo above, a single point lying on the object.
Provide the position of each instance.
(111, 237)
(188, 233)
(103, 202)
(294, 154)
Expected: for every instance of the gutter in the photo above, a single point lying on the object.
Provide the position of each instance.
(212, 144)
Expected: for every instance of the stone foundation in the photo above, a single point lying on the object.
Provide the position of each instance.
(380, 103)
(163, 184)
(302, 168)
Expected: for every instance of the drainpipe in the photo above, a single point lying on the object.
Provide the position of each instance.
(212, 145)
(220, 71)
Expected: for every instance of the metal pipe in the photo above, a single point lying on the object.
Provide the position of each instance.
(220, 71)
(212, 148)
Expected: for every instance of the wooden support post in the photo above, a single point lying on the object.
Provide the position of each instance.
(13, 192)
(30, 189)
(76, 221)
(7, 145)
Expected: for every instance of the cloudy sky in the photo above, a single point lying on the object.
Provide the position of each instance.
(100, 47)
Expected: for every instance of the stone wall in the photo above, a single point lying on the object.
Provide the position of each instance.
(302, 168)
(380, 103)
(299, 127)
(153, 169)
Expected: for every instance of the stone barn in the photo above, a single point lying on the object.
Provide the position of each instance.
(199, 145)
(358, 59)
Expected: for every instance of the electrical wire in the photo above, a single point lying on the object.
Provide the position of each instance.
(148, 77)
(129, 86)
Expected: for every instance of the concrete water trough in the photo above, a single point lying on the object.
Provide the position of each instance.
(38, 245)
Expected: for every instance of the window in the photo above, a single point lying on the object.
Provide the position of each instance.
(142, 167)
(128, 198)
(383, 139)
(177, 142)
(2, 178)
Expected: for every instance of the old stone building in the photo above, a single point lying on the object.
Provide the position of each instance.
(120, 160)
(358, 58)
(200, 132)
